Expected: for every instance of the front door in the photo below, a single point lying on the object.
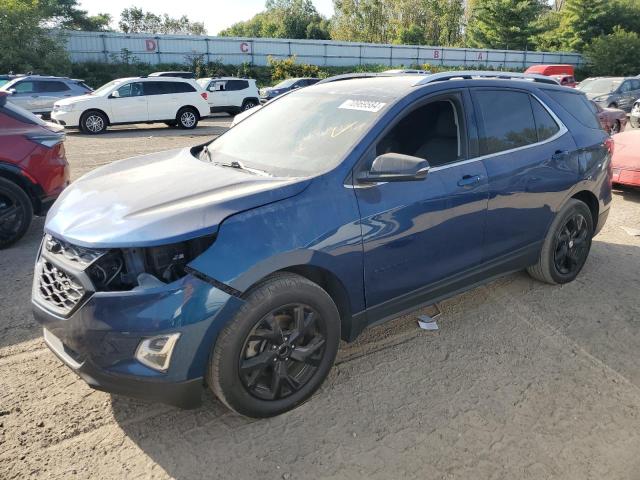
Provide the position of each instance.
(130, 105)
(418, 233)
(218, 96)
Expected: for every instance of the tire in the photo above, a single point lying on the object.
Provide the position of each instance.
(93, 122)
(248, 104)
(261, 365)
(187, 118)
(16, 213)
(568, 236)
(615, 128)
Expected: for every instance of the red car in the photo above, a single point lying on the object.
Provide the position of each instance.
(566, 80)
(626, 159)
(613, 120)
(33, 169)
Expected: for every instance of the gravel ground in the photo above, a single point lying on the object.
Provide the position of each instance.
(522, 381)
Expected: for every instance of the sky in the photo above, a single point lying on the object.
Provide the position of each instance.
(216, 14)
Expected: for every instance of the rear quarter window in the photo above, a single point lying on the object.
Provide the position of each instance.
(577, 105)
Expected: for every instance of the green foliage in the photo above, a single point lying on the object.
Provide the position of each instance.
(508, 24)
(283, 19)
(288, 68)
(615, 54)
(135, 20)
(415, 22)
(26, 46)
(581, 22)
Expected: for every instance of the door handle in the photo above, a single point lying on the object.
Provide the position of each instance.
(469, 180)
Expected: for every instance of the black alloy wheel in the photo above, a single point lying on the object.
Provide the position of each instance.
(572, 245)
(282, 352)
(16, 213)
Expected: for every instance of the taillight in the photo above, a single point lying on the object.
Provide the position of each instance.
(204, 95)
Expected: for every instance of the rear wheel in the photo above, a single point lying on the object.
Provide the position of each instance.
(16, 213)
(93, 122)
(566, 248)
(248, 104)
(187, 118)
(278, 349)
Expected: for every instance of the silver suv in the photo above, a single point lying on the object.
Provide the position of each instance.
(38, 93)
(612, 92)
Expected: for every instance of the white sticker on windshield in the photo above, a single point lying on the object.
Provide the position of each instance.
(364, 105)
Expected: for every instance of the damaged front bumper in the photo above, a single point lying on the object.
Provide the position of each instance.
(99, 335)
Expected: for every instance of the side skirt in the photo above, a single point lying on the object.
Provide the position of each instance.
(445, 288)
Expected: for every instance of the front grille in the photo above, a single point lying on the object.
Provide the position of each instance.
(56, 288)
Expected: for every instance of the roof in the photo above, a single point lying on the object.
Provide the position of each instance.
(224, 78)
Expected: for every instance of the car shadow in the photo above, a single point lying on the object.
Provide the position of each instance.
(157, 130)
(590, 317)
(628, 193)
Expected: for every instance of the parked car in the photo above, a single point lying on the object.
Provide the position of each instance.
(174, 101)
(37, 94)
(4, 79)
(287, 85)
(190, 75)
(634, 119)
(566, 80)
(626, 159)
(612, 92)
(240, 263)
(613, 120)
(33, 169)
(551, 70)
(230, 94)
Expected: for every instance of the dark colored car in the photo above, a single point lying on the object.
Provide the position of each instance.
(190, 75)
(33, 169)
(613, 120)
(284, 86)
(612, 92)
(239, 264)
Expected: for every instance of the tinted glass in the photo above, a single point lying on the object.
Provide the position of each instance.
(180, 87)
(130, 90)
(237, 85)
(52, 87)
(577, 105)
(635, 84)
(625, 87)
(25, 87)
(546, 126)
(507, 120)
(155, 88)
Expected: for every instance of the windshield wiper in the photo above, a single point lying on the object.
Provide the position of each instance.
(240, 166)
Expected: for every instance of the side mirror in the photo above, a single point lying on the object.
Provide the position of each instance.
(395, 167)
(115, 94)
(12, 91)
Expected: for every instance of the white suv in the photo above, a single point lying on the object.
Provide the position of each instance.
(230, 94)
(174, 101)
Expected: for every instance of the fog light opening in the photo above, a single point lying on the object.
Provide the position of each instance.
(155, 352)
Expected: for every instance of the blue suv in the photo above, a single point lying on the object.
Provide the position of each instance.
(240, 264)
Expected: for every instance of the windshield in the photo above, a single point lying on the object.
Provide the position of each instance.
(286, 83)
(3, 81)
(106, 87)
(320, 128)
(600, 85)
(9, 83)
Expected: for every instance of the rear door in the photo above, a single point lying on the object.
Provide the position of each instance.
(525, 150)
(131, 104)
(164, 98)
(236, 92)
(49, 92)
(25, 95)
(418, 233)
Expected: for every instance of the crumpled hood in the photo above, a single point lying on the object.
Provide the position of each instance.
(157, 199)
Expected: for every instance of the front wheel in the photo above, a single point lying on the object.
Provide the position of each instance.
(16, 213)
(278, 349)
(93, 122)
(566, 248)
(248, 105)
(187, 118)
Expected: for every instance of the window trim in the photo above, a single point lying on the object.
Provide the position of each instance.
(563, 129)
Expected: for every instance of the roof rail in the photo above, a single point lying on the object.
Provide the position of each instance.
(470, 74)
(351, 76)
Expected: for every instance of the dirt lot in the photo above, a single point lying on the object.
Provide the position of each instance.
(523, 380)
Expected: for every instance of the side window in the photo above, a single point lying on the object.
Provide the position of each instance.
(506, 120)
(635, 84)
(546, 126)
(155, 88)
(625, 87)
(237, 85)
(218, 87)
(52, 86)
(432, 132)
(180, 87)
(25, 87)
(130, 90)
(577, 105)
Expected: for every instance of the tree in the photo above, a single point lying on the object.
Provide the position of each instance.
(615, 54)
(135, 20)
(581, 22)
(509, 24)
(26, 45)
(283, 19)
